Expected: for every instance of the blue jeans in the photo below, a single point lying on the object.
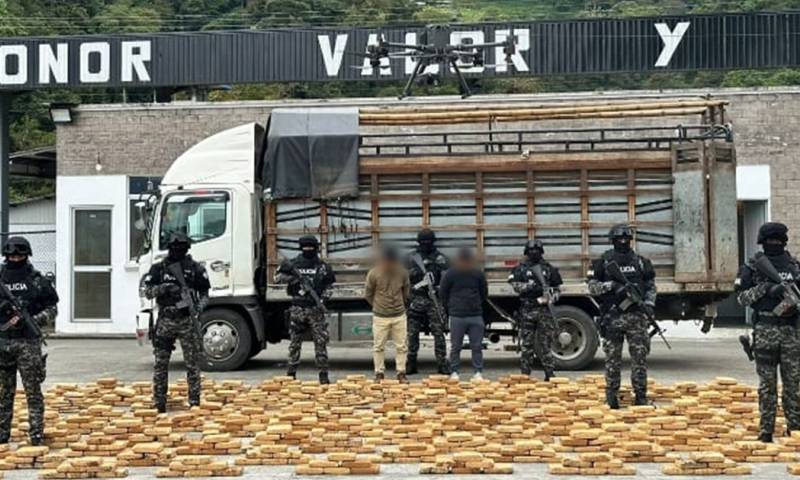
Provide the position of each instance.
(473, 327)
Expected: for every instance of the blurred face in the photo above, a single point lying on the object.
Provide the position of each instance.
(17, 258)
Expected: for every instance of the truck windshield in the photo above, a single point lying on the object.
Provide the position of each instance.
(202, 216)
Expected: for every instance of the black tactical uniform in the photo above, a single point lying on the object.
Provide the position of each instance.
(537, 328)
(618, 322)
(177, 318)
(775, 338)
(305, 313)
(421, 310)
(20, 345)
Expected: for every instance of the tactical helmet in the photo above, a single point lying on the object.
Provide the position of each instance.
(426, 235)
(620, 230)
(17, 246)
(308, 241)
(178, 238)
(773, 230)
(533, 244)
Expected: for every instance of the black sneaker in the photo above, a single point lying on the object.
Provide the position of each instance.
(765, 438)
(323, 378)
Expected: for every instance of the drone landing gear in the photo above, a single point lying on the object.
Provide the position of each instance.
(418, 67)
(465, 91)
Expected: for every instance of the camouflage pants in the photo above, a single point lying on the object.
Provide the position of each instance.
(301, 319)
(537, 330)
(631, 327)
(777, 347)
(169, 329)
(26, 356)
(420, 312)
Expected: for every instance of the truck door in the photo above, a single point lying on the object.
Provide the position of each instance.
(205, 216)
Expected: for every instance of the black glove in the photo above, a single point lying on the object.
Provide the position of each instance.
(168, 289)
(774, 290)
(285, 267)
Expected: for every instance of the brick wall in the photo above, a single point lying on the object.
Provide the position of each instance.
(145, 139)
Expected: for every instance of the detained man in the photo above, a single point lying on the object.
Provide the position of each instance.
(387, 290)
(464, 292)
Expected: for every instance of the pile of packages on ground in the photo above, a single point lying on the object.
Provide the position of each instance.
(358, 427)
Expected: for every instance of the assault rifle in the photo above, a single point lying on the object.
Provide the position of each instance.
(15, 308)
(791, 294)
(305, 283)
(428, 283)
(549, 292)
(634, 297)
(187, 301)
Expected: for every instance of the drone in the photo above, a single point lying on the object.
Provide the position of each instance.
(435, 49)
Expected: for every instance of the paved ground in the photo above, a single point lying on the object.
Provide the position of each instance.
(80, 360)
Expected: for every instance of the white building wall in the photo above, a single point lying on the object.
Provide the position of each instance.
(96, 191)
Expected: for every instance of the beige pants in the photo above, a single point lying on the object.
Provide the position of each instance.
(394, 329)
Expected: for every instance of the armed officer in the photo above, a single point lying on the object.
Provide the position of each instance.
(537, 328)
(775, 337)
(177, 315)
(422, 311)
(20, 337)
(616, 278)
(309, 280)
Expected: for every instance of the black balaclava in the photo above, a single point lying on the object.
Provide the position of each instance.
(16, 265)
(310, 252)
(177, 251)
(622, 244)
(426, 240)
(773, 247)
(309, 247)
(534, 255)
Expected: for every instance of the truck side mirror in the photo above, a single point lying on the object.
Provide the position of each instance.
(141, 213)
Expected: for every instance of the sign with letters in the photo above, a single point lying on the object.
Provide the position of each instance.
(596, 46)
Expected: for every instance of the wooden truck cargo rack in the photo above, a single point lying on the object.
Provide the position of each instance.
(493, 186)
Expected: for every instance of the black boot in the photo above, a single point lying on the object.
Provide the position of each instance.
(548, 374)
(37, 440)
(161, 407)
(612, 400)
(641, 399)
(444, 369)
(323, 378)
(765, 438)
(411, 366)
(292, 373)
(5, 438)
(194, 402)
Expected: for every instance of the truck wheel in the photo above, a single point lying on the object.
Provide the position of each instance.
(226, 339)
(576, 339)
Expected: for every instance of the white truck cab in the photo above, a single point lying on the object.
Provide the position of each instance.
(210, 193)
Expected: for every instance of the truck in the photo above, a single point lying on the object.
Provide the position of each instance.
(487, 174)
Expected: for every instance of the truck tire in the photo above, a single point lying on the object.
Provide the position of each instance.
(227, 340)
(577, 339)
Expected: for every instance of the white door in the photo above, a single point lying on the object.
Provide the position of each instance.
(205, 216)
(91, 265)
